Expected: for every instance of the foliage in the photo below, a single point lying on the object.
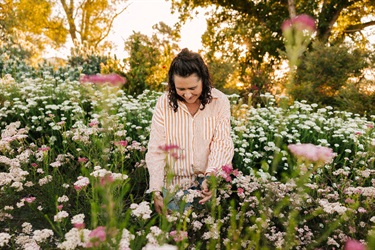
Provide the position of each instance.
(87, 59)
(149, 59)
(52, 22)
(91, 21)
(255, 25)
(357, 97)
(325, 71)
(246, 34)
(34, 19)
(72, 174)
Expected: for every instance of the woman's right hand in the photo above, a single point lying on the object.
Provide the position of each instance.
(158, 202)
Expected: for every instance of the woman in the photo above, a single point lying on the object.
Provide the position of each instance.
(196, 117)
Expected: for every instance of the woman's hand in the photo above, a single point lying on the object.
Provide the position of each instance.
(158, 202)
(206, 192)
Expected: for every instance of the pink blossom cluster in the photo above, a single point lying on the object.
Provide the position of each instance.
(300, 22)
(227, 172)
(96, 237)
(312, 153)
(172, 150)
(178, 235)
(112, 79)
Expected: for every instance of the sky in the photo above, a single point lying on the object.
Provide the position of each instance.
(141, 15)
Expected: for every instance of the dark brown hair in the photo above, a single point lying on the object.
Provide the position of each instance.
(185, 64)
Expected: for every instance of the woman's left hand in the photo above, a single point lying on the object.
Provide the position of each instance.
(206, 192)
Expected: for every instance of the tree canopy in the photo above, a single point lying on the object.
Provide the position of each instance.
(53, 22)
(251, 30)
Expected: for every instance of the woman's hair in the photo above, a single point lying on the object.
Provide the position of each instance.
(185, 64)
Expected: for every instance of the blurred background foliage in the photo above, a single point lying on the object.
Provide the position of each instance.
(243, 47)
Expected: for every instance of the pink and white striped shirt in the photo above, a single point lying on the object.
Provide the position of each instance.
(204, 140)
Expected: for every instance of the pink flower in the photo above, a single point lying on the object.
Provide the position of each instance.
(30, 199)
(108, 178)
(227, 169)
(82, 159)
(301, 22)
(362, 210)
(93, 123)
(123, 143)
(354, 245)
(61, 123)
(167, 148)
(96, 236)
(44, 149)
(240, 190)
(172, 150)
(98, 233)
(34, 165)
(312, 152)
(349, 201)
(79, 225)
(59, 207)
(178, 236)
(112, 79)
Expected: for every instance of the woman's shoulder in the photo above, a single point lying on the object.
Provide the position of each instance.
(163, 97)
(217, 94)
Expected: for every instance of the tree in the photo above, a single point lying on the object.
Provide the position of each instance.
(255, 25)
(320, 79)
(31, 21)
(91, 21)
(53, 21)
(249, 32)
(149, 58)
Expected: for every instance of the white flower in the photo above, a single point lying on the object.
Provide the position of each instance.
(163, 247)
(27, 228)
(56, 164)
(4, 239)
(78, 219)
(81, 182)
(75, 239)
(60, 216)
(42, 235)
(63, 198)
(141, 210)
(45, 180)
(125, 240)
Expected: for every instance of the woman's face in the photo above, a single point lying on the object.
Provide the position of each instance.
(189, 88)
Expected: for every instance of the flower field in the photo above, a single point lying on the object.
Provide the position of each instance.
(73, 176)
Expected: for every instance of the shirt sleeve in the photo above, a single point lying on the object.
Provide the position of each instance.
(155, 159)
(221, 147)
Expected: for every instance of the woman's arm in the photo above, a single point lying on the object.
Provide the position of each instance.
(155, 159)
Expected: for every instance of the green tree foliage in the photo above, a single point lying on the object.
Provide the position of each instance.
(149, 58)
(250, 30)
(324, 72)
(248, 33)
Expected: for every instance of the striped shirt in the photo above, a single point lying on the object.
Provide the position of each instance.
(204, 141)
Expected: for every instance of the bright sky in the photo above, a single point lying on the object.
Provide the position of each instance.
(141, 15)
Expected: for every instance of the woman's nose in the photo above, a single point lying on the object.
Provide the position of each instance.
(187, 95)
